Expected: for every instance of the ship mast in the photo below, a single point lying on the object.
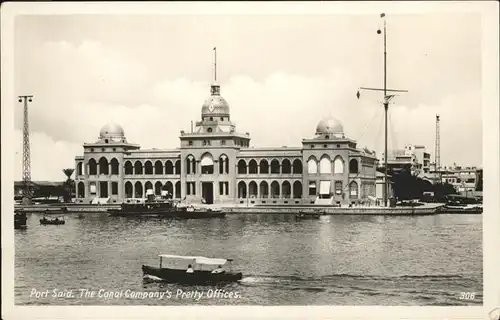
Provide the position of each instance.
(387, 99)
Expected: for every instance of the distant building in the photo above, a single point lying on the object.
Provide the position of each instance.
(216, 164)
(380, 185)
(37, 186)
(414, 157)
(464, 179)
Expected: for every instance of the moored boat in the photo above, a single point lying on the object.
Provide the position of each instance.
(167, 209)
(462, 208)
(55, 221)
(308, 215)
(204, 271)
(148, 208)
(20, 220)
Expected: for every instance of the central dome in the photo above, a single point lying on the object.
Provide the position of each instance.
(329, 126)
(111, 130)
(215, 104)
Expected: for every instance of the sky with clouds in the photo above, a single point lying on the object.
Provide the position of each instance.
(280, 75)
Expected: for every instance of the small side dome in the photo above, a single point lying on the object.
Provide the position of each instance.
(112, 130)
(329, 126)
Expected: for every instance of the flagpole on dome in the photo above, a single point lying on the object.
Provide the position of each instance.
(215, 88)
(215, 65)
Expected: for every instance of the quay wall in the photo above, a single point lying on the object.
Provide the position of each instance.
(337, 210)
(422, 210)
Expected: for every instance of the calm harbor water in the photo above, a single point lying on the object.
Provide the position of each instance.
(338, 260)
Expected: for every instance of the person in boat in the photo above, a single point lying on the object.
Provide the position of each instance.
(190, 269)
(218, 270)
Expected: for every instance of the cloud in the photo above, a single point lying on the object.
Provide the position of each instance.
(279, 84)
(48, 157)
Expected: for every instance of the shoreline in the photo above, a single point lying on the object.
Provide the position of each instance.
(427, 209)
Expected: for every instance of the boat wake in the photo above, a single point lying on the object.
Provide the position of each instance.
(151, 278)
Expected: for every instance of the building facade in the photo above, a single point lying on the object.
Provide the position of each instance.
(464, 179)
(216, 164)
(414, 157)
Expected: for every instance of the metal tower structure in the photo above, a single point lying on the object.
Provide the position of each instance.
(437, 150)
(387, 99)
(27, 187)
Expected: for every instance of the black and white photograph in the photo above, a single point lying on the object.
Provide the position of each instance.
(250, 155)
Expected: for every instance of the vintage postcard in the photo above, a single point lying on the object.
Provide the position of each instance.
(244, 160)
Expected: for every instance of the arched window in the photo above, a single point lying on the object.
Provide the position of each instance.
(148, 167)
(353, 190)
(275, 189)
(169, 167)
(103, 166)
(207, 164)
(148, 187)
(190, 165)
(138, 167)
(242, 167)
(264, 166)
(325, 165)
(81, 190)
(297, 190)
(338, 187)
(223, 164)
(79, 169)
(286, 189)
(158, 187)
(264, 189)
(297, 166)
(242, 189)
(129, 189)
(158, 167)
(139, 193)
(252, 189)
(178, 167)
(178, 190)
(275, 166)
(115, 167)
(253, 167)
(312, 166)
(353, 166)
(286, 166)
(338, 165)
(129, 168)
(169, 187)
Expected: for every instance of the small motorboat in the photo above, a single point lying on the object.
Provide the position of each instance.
(55, 221)
(201, 213)
(308, 215)
(462, 208)
(205, 271)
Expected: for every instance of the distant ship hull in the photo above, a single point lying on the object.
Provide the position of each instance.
(166, 210)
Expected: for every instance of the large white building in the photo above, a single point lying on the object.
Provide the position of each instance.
(415, 157)
(217, 164)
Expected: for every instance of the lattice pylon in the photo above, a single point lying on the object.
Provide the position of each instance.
(27, 186)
